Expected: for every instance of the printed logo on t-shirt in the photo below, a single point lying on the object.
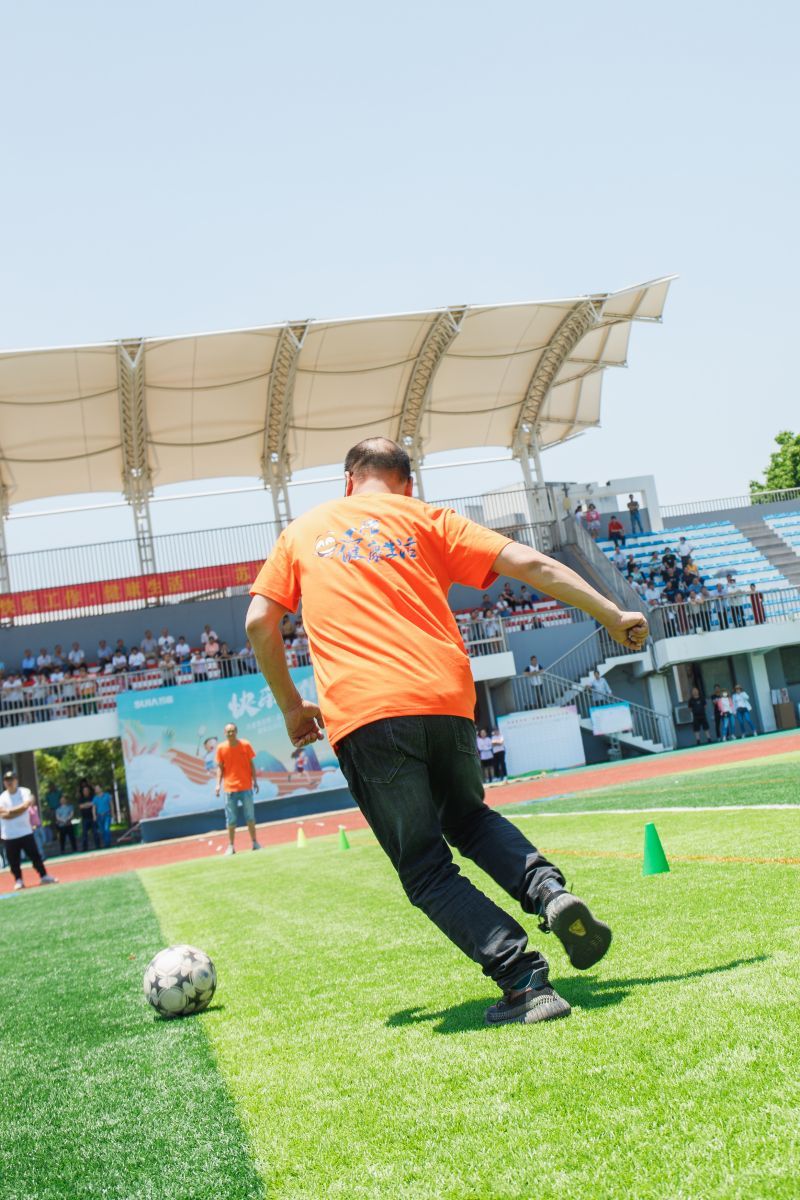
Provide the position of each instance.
(365, 543)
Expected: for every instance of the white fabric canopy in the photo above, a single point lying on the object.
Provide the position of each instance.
(268, 402)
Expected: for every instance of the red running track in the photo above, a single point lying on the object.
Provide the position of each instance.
(585, 779)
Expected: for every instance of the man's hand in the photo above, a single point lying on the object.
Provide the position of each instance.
(255, 785)
(216, 790)
(629, 629)
(302, 723)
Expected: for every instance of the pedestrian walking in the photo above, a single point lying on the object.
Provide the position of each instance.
(398, 699)
(16, 831)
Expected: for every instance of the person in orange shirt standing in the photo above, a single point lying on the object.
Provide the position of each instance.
(236, 770)
(397, 698)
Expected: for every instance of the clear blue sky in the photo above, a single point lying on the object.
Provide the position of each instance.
(181, 167)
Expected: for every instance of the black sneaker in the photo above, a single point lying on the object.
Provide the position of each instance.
(531, 999)
(584, 938)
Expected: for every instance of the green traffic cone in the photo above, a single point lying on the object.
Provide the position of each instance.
(301, 836)
(343, 842)
(655, 860)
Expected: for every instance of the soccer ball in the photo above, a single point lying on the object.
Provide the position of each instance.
(180, 980)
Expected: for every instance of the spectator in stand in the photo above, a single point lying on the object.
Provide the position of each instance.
(207, 633)
(136, 660)
(247, 659)
(119, 662)
(149, 645)
(508, 596)
(165, 640)
(198, 666)
(669, 557)
(684, 550)
(499, 756)
(88, 816)
(700, 611)
(757, 604)
(183, 651)
(616, 532)
(64, 827)
(486, 755)
(736, 602)
(599, 688)
(168, 669)
(534, 669)
(619, 559)
(724, 706)
(742, 709)
(76, 656)
(211, 646)
(632, 567)
(526, 597)
(86, 688)
(14, 697)
(287, 629)
(237, 771)
(44, 662)
(39, 696)
(121, 648)
(681, 613)
(651, 595)
(28, 665)
(636, 517)
(697, 707)
(491, 627)
(104, 653)
(16, 830)
(721, 604)
(592, 521)
(58, 658)
(102, 810)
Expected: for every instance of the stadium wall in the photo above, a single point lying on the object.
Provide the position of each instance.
(747, 514)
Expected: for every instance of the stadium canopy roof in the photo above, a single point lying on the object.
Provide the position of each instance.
(131, 415)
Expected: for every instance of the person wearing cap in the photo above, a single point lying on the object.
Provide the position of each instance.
(16, 830)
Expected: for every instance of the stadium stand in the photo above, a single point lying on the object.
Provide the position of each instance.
(787, 527)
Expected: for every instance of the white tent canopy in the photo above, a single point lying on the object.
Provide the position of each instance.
(132, 415)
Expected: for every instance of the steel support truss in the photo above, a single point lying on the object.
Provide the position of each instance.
(5, 574)
(439, 338)
(275, 464)
(575, 325)
(137, 479)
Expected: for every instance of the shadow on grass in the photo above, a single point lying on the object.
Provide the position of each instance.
(581, 991)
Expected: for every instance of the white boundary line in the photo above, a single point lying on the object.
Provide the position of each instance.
(600, 812)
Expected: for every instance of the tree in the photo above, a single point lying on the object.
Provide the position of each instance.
(99, 762)
(783, 471)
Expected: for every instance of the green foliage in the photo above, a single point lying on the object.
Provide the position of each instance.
(65, 766)
(783, 471)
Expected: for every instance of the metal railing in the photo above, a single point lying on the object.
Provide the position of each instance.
(721, 613)
(486, 635)
(697, 507)
(549, 690)
(575, 534)
(582, 659)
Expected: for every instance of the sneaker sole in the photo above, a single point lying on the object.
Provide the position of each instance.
(584, 938)
(545, 1008)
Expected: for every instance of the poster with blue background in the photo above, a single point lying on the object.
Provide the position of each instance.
(170, 735)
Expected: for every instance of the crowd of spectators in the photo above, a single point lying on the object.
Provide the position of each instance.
(732, 712)
(693, 602)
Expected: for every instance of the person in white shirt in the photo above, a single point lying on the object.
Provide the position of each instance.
(499, 752)
(16, 830)
(148, 645)
(599, 688)
(76, 655)
(534, 669)
(486, 754)
(183, 651)
(166, 641)
(651, 595)
(199, 667)
(619, 559)
(724, 707)
(208, 634)
(742, 709)
(44, 662)
(136, 660)
(684, 550)
(119, 662)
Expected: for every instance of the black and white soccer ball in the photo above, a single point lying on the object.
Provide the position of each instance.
(180, 980)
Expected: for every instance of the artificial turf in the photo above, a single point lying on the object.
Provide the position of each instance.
(346, 1057)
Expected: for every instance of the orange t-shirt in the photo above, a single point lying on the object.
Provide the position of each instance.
(237, 774)
(373, 572)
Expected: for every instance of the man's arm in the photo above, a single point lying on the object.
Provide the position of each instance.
(253, 770)
(546, 575)
(219, 777)
(263, 629)
(6, 813)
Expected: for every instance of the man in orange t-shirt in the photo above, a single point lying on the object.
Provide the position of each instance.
(397, 698)
(235, 759)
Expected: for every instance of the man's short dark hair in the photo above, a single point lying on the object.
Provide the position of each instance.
(378, 456)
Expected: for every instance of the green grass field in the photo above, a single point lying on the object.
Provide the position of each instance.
(344, 1054)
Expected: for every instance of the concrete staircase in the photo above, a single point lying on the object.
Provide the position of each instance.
(774, 549)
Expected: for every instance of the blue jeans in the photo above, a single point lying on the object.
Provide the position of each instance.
(104, 827)
(743, 719)
(727, 728)
(636, 522)
(232, 800)
(417, 780)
